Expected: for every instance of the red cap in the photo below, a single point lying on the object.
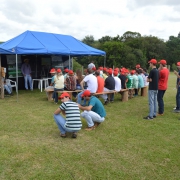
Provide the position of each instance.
(58, 70)
(178, 63)
(133, 71)
(101, 68)
(66, 70)
(65, 94)
(86, 93)
(153, 61)
(110, 71)
(115, 73)
(94, 68)
(162, 62)
(104, 69)
(70, 72)
(138, 66)
(52, 70)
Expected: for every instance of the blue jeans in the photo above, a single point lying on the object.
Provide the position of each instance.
(79, 99)
(56, 94)
(60, 121)
(178, 99)
(152, 96)
(160, 101)
(28, 79)
(8, 88)
(92, 117)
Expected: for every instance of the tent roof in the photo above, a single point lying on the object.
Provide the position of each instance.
(32, 42)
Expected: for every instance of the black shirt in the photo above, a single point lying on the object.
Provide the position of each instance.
(110, 83)
(154, 75)
(123, 79)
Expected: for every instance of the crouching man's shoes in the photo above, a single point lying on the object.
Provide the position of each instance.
(90, 128)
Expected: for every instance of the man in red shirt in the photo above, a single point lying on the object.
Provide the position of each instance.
(162, 85)
(100, 82)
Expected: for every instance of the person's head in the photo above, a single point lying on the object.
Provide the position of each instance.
(52, 72)
(26, 60)
(162, 63)
(109, 72)
(178, 65)
(71, 73)
(64, 97)
(86, 94)
(115, 73)
(152, 63)
(138, 66)
(66, 70)
(89, 71)
(59, 72)
(97, 73)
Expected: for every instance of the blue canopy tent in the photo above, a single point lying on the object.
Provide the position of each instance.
(41, 43)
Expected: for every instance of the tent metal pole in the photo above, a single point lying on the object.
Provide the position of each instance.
(69, 61)
(17, 76)
(72, 63)
(2, 85)
(104, 60)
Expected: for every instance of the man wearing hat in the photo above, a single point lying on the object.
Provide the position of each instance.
(94, 113)
(177, 109)
(109, 85)
(162, 85)
(26, 71)
(92, 85)
(70, 109)
(153, 89)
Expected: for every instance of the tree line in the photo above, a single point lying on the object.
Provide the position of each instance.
(131, 48)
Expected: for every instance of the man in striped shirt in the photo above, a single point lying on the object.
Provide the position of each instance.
(70, 109)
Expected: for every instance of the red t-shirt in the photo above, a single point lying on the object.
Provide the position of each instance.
(163, 79)
(100, 81)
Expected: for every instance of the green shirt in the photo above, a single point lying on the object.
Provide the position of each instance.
(97, 106)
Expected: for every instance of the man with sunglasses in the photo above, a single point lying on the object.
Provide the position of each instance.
(94, 113)
(70, 109)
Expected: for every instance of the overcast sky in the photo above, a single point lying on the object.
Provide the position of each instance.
(99, 18)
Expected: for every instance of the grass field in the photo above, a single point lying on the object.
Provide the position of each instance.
(124, 146)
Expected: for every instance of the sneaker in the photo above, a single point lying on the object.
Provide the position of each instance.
(74, 135)
(160, 114)
(111, 101)
(96, 124)
(154, 116)
(63, 135)
(148, 118)
(90, 128)
(176, 111)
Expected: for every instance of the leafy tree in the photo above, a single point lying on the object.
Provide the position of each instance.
(89, 40)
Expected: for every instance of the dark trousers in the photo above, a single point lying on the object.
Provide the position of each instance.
(178, 99)
(160, 101)
(56, 93)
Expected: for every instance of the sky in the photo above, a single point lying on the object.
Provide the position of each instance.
(81, 18)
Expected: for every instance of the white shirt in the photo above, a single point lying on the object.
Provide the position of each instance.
(117, 84)
(91, 81)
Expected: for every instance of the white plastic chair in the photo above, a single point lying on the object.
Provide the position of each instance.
(12, 83)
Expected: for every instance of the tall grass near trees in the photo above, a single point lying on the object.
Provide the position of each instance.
(124, 146)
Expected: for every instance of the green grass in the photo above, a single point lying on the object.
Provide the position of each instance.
(124, 146)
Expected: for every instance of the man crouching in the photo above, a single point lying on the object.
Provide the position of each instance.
(94, 113)
(70, 109)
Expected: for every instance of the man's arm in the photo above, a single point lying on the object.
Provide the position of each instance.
(82, 85)
(176, 73)
(87, 108)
